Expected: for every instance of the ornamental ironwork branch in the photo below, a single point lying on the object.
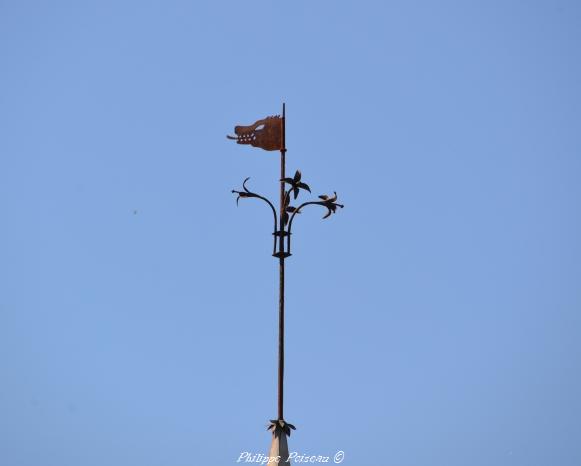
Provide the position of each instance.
(288, 211)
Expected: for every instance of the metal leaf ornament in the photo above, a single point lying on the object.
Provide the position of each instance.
(278, 426)
(296, 184)
(288, 209)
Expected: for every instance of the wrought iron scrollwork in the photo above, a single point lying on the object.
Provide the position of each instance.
(246, 193)
(283, 222)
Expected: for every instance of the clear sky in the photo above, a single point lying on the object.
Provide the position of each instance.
(435, 321)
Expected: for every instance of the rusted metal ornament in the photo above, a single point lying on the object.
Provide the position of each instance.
(265, 133)
(269, 134)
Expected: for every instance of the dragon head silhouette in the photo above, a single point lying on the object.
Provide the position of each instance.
(265, 133)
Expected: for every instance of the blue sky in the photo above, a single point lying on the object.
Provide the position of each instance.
(433, 321)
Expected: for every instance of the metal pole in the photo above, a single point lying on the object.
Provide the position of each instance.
(268, 135)
(281, 275)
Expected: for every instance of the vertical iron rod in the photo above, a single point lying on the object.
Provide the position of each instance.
(281, 274)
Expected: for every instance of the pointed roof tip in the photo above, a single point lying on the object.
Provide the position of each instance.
(279, 448)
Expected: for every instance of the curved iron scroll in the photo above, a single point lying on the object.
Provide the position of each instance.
(248, 193)
(329, 202)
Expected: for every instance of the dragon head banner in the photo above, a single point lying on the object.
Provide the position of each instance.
(265, 133)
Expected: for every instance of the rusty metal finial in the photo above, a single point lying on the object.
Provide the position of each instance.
(269, 134)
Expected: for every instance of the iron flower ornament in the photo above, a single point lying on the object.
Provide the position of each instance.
(288, 211)
(295, 184)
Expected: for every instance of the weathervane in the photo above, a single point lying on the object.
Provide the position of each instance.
(269, 134)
